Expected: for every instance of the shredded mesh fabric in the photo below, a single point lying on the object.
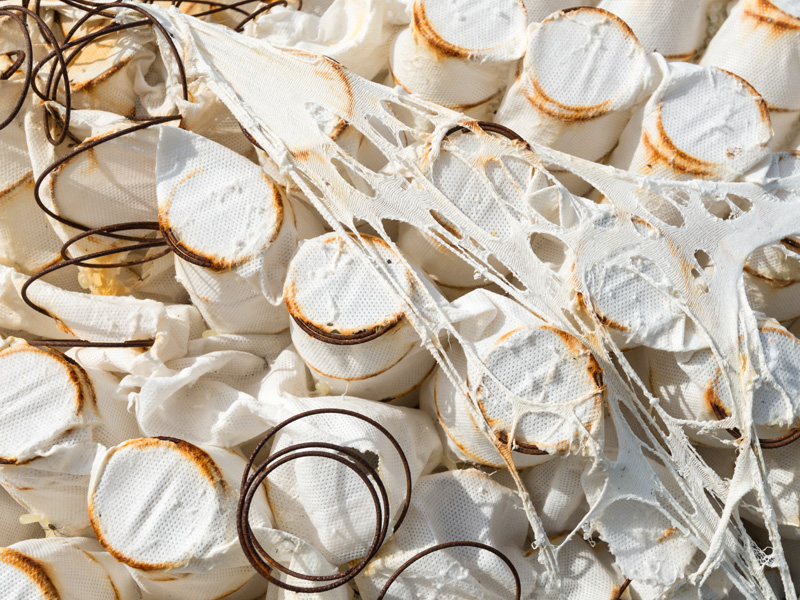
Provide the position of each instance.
(660, 258)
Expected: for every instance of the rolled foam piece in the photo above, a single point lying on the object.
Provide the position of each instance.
(674, 28)
(582, 114)
(758, 33)
(459, 54)
(12, 530)
(700, 123)
(233, 231)
(772, 279)
(484, 199)
(348, 325)
(536, 385)
(166, 509)
(324, 503)
(690, 386)
(50, 419)
(63, 569)
(453, 506)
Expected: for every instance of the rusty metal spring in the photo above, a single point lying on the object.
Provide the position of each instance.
(251, 481)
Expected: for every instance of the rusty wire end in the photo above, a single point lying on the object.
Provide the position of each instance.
(463, 544)
(261, 561)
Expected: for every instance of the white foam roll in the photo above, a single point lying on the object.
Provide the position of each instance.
(690, 386)
(108, 74)
(63, 569)
(220, 209)
(772, 279)
(356, 33)
(758, 33)
(583, 72)
(539, 10)
(458, 54)
(454, 506)
(49, 414)
(674, 28)
(700, 123)
(27, 241)
(556, 493)
(348, 325)
(484, 199)
(12, 530)
(323, 502)
(166, 509)
(553, 396)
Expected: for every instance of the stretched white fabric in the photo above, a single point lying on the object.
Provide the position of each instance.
(11, 529)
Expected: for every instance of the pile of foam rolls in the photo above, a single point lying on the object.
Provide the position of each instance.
(212, 389)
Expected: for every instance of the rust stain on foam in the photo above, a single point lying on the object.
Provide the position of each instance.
(564, 112)
(10, 189)
(33, 569)
(663, 150)
(89, 84)
(763, 13)
(763, 107)
(626, 29)
(667, 534)
(441, 47)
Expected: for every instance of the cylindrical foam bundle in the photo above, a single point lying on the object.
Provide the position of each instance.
(166, 509)
(459, 54)
(539, 389)
(691, 387)
(232, 229)
(700, 123)
(63, 569)
(482, 199)
(48, 418)
(674, 28)
(462, 505)
(759, 33)
(584, 113)
(348, 325)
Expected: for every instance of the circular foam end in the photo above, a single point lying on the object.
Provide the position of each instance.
(782, 356)
(24, 577)
(207, 213)
(43, 396)
(605, 62)
(334, 295)
(709, 121)
(484, 29)
(552, 376)
(159, 503)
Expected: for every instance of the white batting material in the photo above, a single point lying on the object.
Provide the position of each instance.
(323, 502)
(11, 529)
(349, 327)
(699, 123)
(454, 506)
(511, 179)
(674, 28)
(556, 493)
(459, 54)
(758, 33)
(220, 208)
(166, 509)
(585, 113)
(63, 569)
